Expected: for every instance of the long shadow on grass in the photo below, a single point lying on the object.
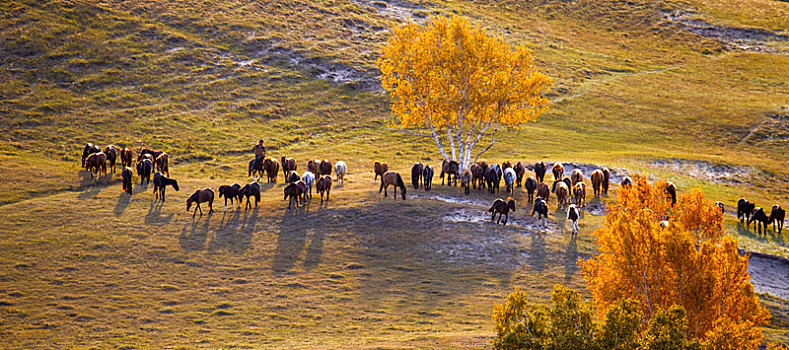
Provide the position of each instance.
(235, 231)
(194, 234)
(123, 202)
(154, 215)
(291, 240)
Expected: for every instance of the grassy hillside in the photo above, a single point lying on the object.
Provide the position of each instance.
(635, 86)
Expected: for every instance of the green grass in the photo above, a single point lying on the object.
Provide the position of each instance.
(86, 267)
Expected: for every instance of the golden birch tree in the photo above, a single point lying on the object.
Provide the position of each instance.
(690, 262)
(453, 80)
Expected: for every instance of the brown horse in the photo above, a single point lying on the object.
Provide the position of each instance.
(126, 175)
(465, 180)
(326, 167)
(671, 190)
(478, 175)
(292, 177)
(251, 189)
(314, 166)
(530, 185)
(597, 181)
(87, 151)
(558, 171)
(539, 171)
(579, 190)
(394, 179)
(96, 164)
(450, 168)
(112, 155)
(288, 165)
(324, 185)
(144, 151)
(126, 157)
(295, 190)
(543, 191)
(379, 168)
(520, 170)
(201, 196)
(777, 215)
(562, 192)
(506, 164)
(576, 176)
(500, 207)
(606, 179)
(163, 164)
(271, 166)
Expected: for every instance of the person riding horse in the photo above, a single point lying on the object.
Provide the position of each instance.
(260, 153)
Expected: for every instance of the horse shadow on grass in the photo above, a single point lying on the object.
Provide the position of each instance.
(194, 234)
(123, 203)
(571, 260)
(235, 231)
(744, 231)
(154, 215)
(291, 241)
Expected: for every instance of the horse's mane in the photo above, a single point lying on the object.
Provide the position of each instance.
(194, 197)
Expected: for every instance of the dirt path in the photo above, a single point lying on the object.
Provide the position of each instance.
(769, 274)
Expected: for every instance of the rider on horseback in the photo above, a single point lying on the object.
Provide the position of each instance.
(260, 153)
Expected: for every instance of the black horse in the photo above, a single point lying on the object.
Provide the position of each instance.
(492, 179)
(416, 174)
(160, 183)
(427, 177)
(541, 208)
(144, 169)
(745, 209)
(760, 218)
(126, 174)
(231, 192)
(539, 171)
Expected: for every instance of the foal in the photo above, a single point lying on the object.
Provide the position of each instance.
(394, 179)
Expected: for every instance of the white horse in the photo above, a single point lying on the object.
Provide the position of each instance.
(340, 169)
(573, 214)
(509, 180)
(309, 180)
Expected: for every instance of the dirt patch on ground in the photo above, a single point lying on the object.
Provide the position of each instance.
(706, 170)
(769, 274)
(748, 39)
(335, 72)
(397, 9)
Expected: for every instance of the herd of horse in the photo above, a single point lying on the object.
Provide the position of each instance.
(570, 191)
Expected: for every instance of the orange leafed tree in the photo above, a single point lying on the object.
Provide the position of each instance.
(691, 263)
(452, 79)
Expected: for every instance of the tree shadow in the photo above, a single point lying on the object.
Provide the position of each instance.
(194, 235)
(571, 260)
(123, 203)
